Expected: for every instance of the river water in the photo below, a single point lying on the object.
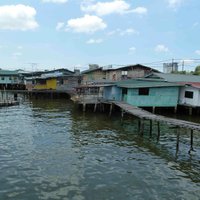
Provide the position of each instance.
(49, 149)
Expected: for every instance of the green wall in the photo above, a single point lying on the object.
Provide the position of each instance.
(158, 97)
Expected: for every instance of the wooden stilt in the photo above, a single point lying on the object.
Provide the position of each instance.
(190, 110)
(95, 107)
(158, 136)
(111, 105)
(175, 109)
(177, 140)
(103, 107)
(191, 142)
(142, 127)
(139, 125)
(84, 107)
(122, 113)
(150, 129)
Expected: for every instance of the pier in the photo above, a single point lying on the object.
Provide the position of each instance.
(143, 115)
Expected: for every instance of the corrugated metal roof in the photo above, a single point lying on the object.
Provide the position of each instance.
(175, 77)
(145, 84)
(8, 72)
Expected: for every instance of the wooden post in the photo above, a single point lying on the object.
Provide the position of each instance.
(153, 110)
(158, 136)
(175, 109)
(191, 142)
(111, 105)
(177, 140)
(84, 107)
(190, 110)
(150, 129)
(139, 125)
(122, 113)
(95, 107)
(142, 127)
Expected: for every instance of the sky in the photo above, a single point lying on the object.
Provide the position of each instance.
(51, 34)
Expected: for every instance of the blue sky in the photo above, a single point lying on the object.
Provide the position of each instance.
(74, 33)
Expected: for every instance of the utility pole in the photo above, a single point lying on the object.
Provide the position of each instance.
(183, 65)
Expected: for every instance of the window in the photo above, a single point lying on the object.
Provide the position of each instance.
(124, 73)
(189, 94)
(2, 78)
(143, 91)
(124, 91)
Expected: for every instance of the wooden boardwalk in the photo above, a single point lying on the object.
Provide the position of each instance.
(142, 114)
(6, 103)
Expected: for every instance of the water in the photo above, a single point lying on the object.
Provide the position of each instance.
(51, 150)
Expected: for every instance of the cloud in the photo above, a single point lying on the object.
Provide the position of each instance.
(139, 10)
(197, 52)
(17, 17)
(60, 25)
(128, 31)
(161, 48)
(106, 8)
(175, 3)
(55, 1)
(86, 24)
(132, 50)
(94, 41)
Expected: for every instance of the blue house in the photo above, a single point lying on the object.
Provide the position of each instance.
(144, 93)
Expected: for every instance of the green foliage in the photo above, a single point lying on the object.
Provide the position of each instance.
(197, 70)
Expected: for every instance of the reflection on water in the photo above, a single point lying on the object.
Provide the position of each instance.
(51, 150)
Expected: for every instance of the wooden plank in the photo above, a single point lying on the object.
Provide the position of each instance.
(142, 114)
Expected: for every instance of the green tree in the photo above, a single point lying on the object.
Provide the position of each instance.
(197, 70)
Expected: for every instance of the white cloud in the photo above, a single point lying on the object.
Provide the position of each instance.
(94, 41)
(106, 8)
(132, 50)
(139, 10)
(197, 52)
(86, 24)
(161, 48)
(128, 31)
(175, 3)
(17, 17)
(60, 25)
(55, 1)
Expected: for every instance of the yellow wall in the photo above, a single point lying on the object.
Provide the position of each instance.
(50, 85)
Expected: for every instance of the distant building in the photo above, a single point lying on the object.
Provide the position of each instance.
(170, 67)
(59, 80)
(101, 74)
(11, 80)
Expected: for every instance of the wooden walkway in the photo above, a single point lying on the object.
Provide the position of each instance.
(142, 114)
(8, 103)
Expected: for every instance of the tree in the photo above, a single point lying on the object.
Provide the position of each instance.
(197, 70)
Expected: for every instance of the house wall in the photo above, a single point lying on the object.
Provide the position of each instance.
(50, 85)
(158, 97)
(189, 101)
(95, 75)
(112, 93)
(9, 80)
(68, 84)
(116, 75)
